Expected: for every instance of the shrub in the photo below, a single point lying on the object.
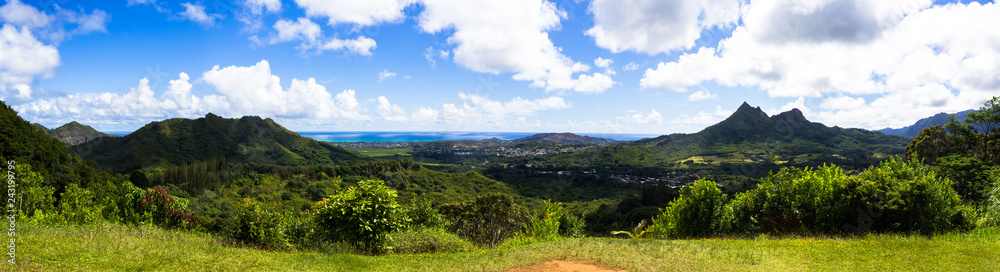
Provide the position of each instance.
(165, 210)
(35, 195)
(544, 223)
(423, 215)
(916, 199)
(362, 215)
(487, 220)
(428, 240)
(571, 225)
(130, 211)
(896, 196)
(77, 206)
(257, 226)
(694, 213)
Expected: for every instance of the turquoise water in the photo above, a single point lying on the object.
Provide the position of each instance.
(427, 136)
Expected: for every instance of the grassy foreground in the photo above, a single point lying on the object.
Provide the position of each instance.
(114, 247)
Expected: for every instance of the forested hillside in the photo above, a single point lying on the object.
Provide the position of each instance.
(178, 141)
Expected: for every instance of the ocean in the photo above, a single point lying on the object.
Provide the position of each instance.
(427, 136)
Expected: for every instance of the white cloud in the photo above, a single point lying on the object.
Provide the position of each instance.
(602, 62)
(655, 26)
(509, 36)
(362, 13)
(17, 13)
(390, 112)
(22, 58)
(196, 13)
(484, 112)
(430, 54)
(239, 91)
(631, 66)
(895, 51)
(385, 74)
(653, 117)
(140, 2)
(311, 38)
(53, 27)
(252, 12)
(799, 103)
(843, 103)
(701, 95)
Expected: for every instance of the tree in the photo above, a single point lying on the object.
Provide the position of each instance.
(931, 143)
(363, 215)
(138, 179)
(986, 121)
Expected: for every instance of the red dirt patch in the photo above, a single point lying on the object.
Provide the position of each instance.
(564, 266)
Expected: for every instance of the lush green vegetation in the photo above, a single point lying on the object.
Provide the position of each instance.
(179, 141)
(258, 212)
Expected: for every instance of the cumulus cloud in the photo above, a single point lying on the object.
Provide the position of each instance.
(510, 36)
(311, 39)
(702, 95)
(602, 62)
(239, 91)
(913, 58)
(655, 26)
(361, 13)
(196, 13)
(391, 112)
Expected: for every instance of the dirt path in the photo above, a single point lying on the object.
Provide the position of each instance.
(564, 266)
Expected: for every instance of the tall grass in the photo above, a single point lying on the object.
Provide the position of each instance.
(105, 247)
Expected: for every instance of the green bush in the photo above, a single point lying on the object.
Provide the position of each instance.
(487, 220)
(428, 240)
(423, 215)
(77, 206)
(896, 196)
(35, 196)
(544, 223)
(571, 225)
(695, 213)
(362, 215)
(259, 227)
(130, 211)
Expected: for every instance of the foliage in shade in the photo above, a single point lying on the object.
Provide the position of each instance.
(487, 220)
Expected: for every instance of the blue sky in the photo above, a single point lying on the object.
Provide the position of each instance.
(601, 66)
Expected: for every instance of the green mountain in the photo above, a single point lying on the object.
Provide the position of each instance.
(564, 138)
(178, 141)
(749, 135)
(73, 133)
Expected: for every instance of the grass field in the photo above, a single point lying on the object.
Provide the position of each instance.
(392, 154)
(114, 247)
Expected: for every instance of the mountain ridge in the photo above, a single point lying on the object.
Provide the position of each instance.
(72, 133)
(934, 120)
(179, 141)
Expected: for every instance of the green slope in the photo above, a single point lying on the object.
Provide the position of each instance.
(750, 135)
(178, 141)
